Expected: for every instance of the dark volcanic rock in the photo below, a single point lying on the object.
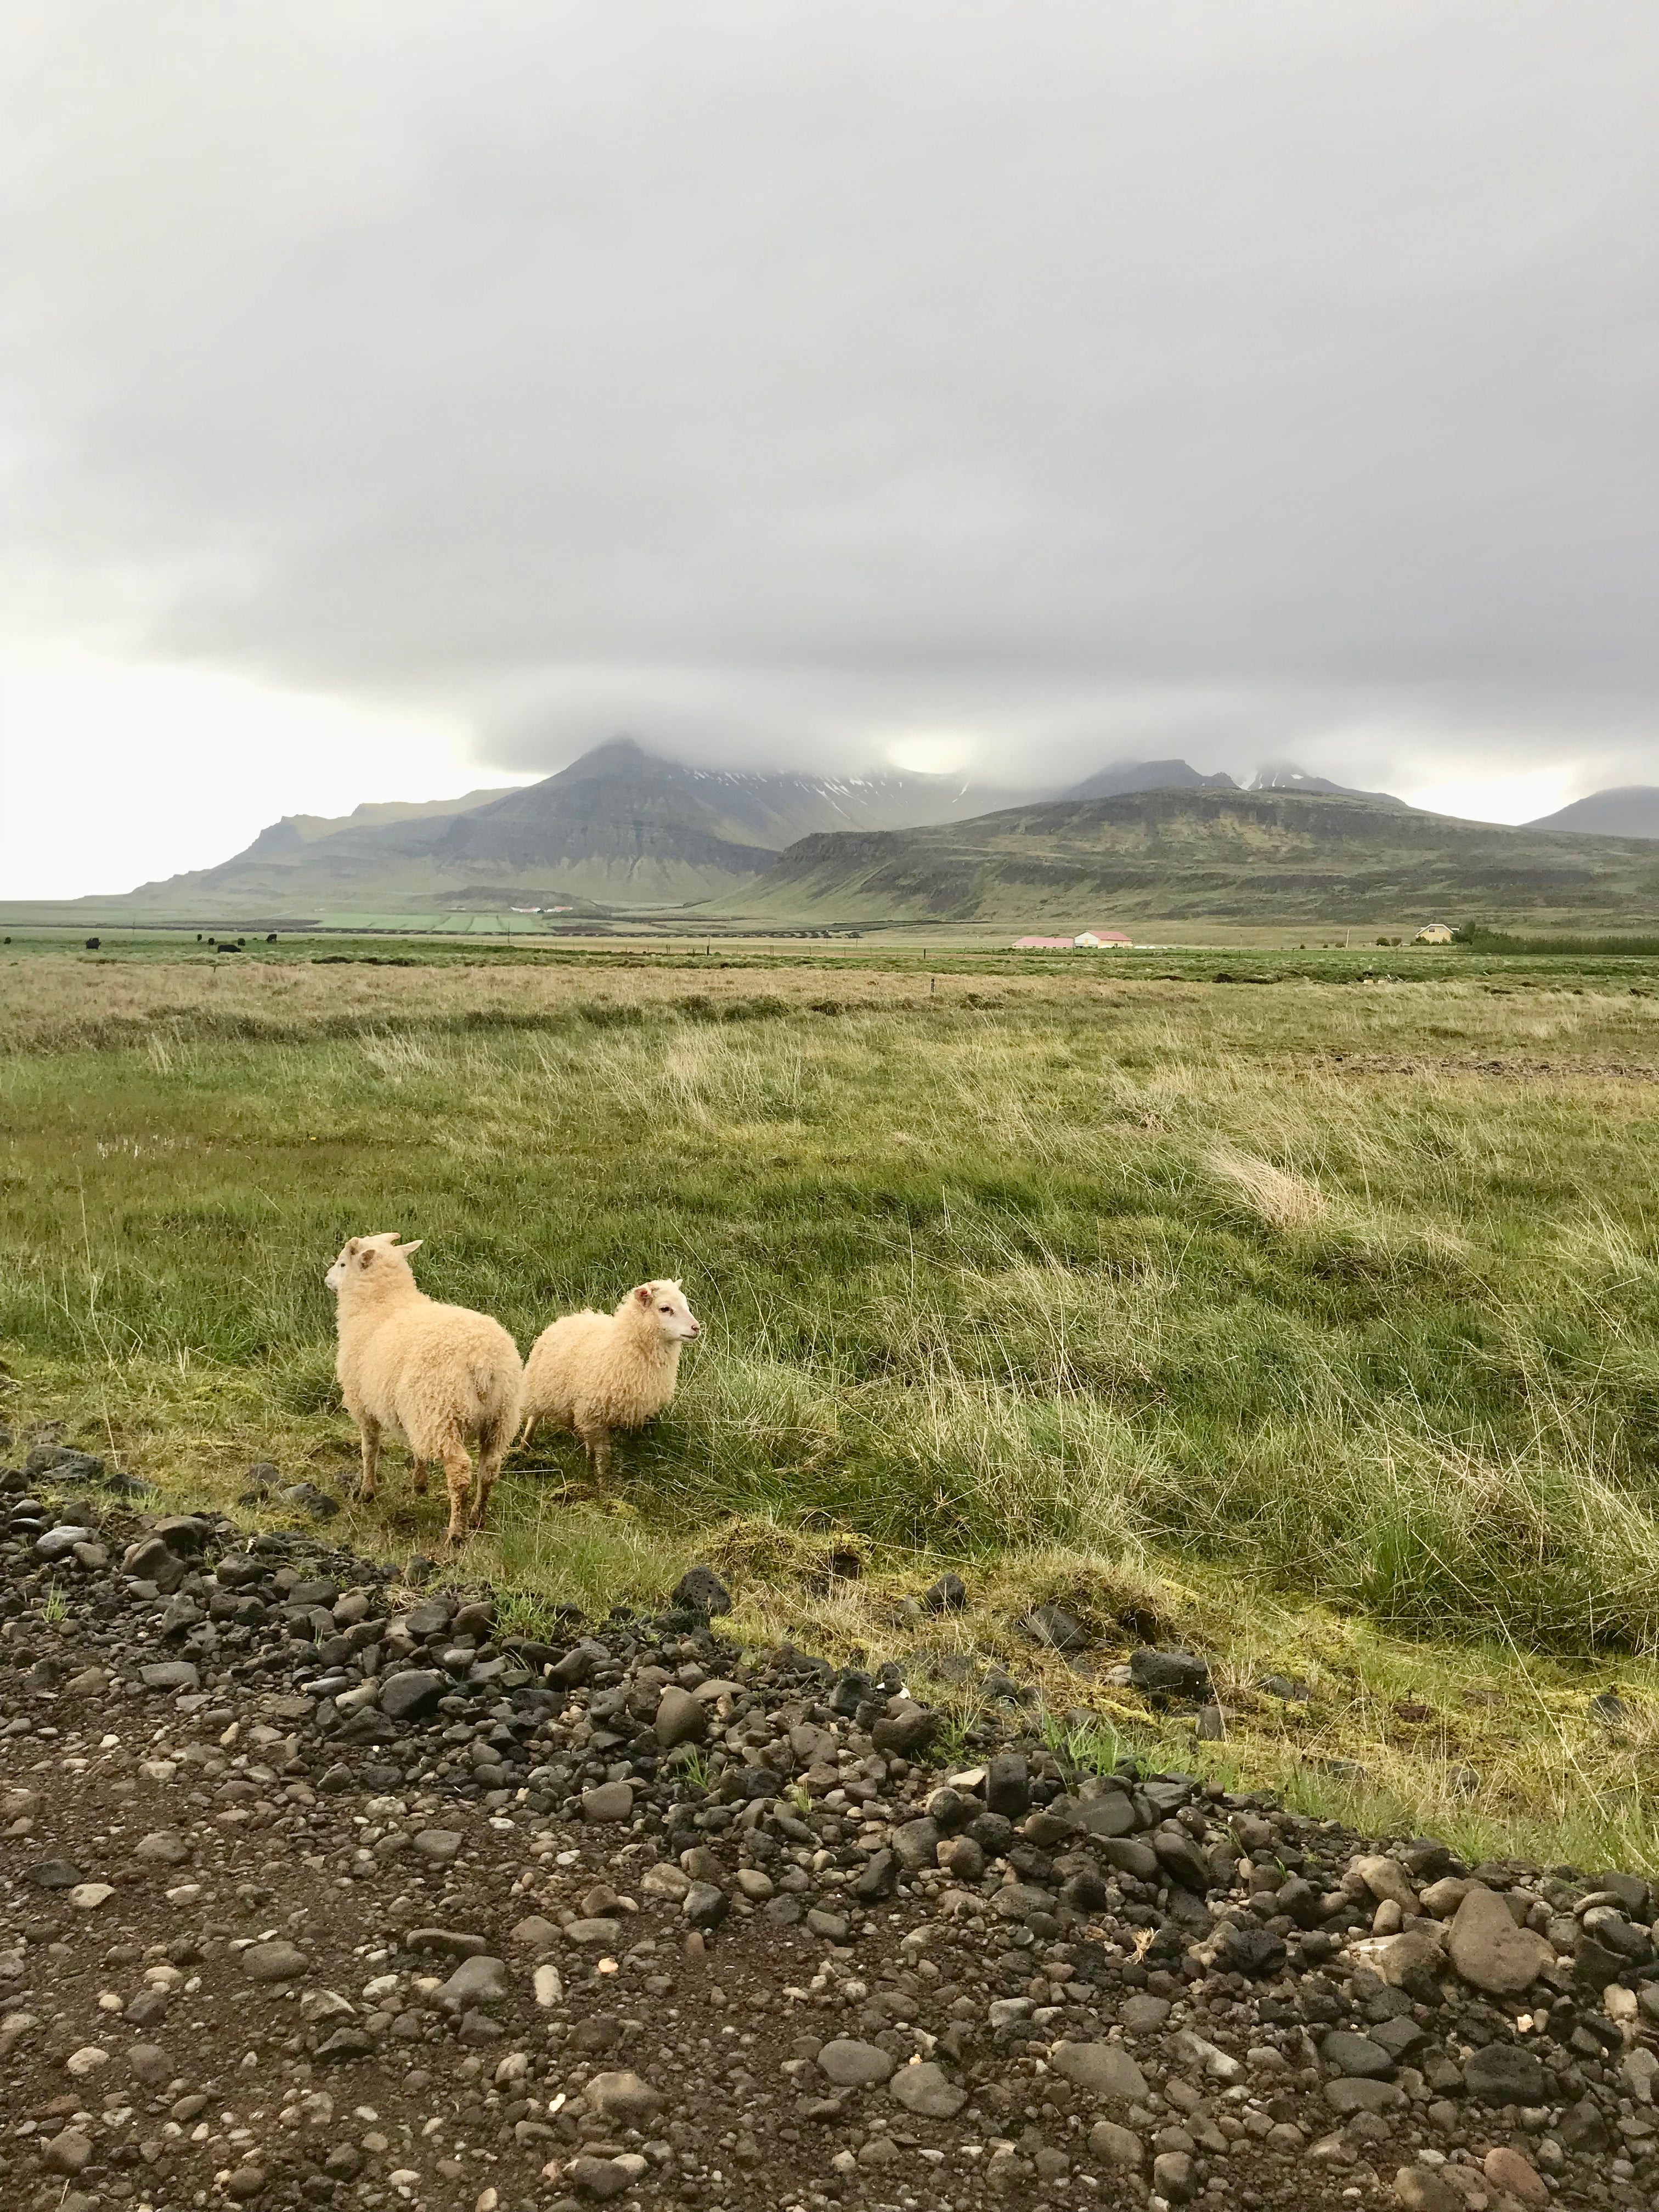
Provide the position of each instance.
(1505, 2074)
(1170, 1674)
(1008, 1785)
(701, 1590)
(412, 1695)
(1060, 1630)
(948, 1595)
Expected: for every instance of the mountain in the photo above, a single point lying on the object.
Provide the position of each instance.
(1181, 854)
(1283, 776)
(1129, 776)
(1630, 810)
(619, 826)
(280, 839)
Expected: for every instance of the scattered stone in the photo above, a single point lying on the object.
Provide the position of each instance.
(1027, 1945)
(412, 1695)
(701, 1590)
(1504, 2074)
(310, 1500)
(853, 2065)
(274, 1962)
(1117, 2145)
(163, 1847)
(59, 1543)
(681, 1718)
(1513, 2172)
(1489, 1950)
(598, 2178)
(705, 1904)
(1357, 2056)
(927, 2090)
(1420, 2189)
(609, 1801)
(1170, 1674)
(1008, 1785)
(1288, 1689)
(56, 1874)
(68, 2153)
(1060, 1630)
(948, 1595)
(623, 2097)
(1103, 2070)
(457, 1943)
(479, 1980)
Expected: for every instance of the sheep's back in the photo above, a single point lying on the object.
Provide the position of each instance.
(437, 1372)
(595, 1365)
(563, 1356)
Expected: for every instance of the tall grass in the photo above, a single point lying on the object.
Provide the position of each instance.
(1287, 1284)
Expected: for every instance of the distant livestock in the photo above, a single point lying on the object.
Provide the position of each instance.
(595, 1372)
(93, 944)
(438, 1377)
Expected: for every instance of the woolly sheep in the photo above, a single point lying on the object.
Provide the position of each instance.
(436, 1376)
(594, 1372)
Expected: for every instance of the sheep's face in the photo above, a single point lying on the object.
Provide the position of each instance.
(363, 1254)
(665, 1302)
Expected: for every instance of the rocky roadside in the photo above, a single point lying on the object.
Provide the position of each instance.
(317, 1890)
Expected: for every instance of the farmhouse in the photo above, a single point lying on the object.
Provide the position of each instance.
(1090, 940)
(1433, 932)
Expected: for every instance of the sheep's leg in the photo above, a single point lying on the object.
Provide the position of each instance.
(370, 1433)
(417, 1478)
(596, 1439)
(457, 1473)
(490, 1456)
(529, 1430)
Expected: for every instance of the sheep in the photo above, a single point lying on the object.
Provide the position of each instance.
(593, 1372)
(433, 1374)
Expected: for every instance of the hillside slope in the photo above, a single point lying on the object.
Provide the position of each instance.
(1629, 810)
(1184, 854)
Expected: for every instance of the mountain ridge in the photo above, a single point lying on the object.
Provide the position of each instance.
(618, 826)
(1186, 855)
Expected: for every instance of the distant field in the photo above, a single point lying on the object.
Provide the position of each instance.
(1318, 1313)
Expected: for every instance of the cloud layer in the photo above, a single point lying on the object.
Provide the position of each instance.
(784, 382)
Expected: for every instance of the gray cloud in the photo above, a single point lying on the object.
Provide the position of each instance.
(774, 380)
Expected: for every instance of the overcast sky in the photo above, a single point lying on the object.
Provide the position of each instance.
(402, 397)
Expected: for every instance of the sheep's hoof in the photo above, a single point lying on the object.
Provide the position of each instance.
(417, 1482)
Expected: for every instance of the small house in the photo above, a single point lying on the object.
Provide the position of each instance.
(1096, 940)
(1433, 932)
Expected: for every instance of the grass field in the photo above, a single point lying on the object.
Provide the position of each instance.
(1318, 1322)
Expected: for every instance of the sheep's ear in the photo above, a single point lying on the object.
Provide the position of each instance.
(403, 1250)
(356, 1244)
(643, 1294)
(365, 1257)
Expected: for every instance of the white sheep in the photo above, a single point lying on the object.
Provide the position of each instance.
(436, 1376)
(594, 1372)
